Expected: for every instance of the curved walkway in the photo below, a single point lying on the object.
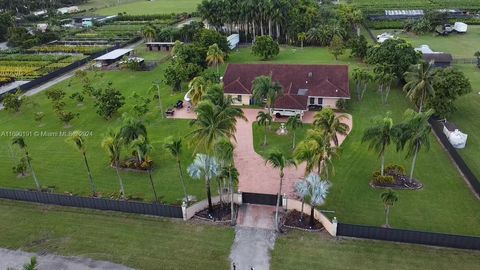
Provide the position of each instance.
(255, 176)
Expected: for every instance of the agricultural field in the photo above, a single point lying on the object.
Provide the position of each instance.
(377, 5)
(141, 7)
(434, 208)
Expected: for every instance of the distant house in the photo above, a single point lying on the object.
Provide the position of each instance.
(112, 57)
(305, 86)
(439, 59)
(160, 46)
(68, 10)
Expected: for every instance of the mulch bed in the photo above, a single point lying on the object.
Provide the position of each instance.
(220, 213)
(292, 220)
(401, 182)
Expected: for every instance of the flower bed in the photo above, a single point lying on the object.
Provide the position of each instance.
(221, 213)
(293, 219)
(394, 177)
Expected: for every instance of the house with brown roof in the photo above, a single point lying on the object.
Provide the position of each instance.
(305, 86)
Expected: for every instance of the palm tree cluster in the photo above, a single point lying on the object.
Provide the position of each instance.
(264, 88)
(285, 20)
(314, 188)
(413, 134)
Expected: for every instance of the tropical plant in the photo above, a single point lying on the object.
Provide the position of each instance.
(331, 124)
(362, 78)
(477, 55)
(380, 136)
(323, 151)
(174, 147)
(224, 153)
(113, 144)
(66, 117)
(264, 119)
(132, 129)
(307, 151)
(22, 145)
(215, 56)
(294, 122)
(142, 149)
(13, 101)
(32, 265)
(38, 117)
(198, 88)
(301, 36)
(415, 134)
(264, 88)
(78, 141)
(419, 86)
(316, 190)
(206, 167)
(279, 161)
(389, 198)
(155, 88)
(337, 46)
(108, 102)
(149, 33)
(265, 47)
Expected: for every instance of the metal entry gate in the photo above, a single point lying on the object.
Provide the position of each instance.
(258, 198)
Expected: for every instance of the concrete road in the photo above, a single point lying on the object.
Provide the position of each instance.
(16, 259)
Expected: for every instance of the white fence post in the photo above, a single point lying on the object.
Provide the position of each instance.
(334, 226)
(184, 210)
(285, 201)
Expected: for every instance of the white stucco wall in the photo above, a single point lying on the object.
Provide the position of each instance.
(245, 99)
(330, 103)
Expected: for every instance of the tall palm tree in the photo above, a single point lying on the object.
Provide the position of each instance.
(224, 152)
(279, 161)
(264, 119)
(113, 144)
(294, 122)
(198, 89)
(79, 142)
(264, 88)
(380, 136)
(316, 189)
(21, 143)
(206, 167)
(416, 134)
(302, 36)
(324, 152)
(143, 149)
(307, 151)
(149, 33)
(215, 56)
(419, 84)
(174, 147)
(155, 88)
(388, 78)
(331, 124)
(132, 129)
(302, 192)
(389, 198)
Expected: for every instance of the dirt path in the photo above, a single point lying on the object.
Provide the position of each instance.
(16, 259)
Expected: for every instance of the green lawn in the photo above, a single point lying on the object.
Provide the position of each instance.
(274, 141)
(133, 240)
(59, 164)
(459, 45)
(299, 250)
(445, 204)
(141, 7)
(142, 51)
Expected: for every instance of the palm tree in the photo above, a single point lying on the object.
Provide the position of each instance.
(294, 122)
(215, 56)
(279, 161)
(416, 134)
(380, 136)
(224, 152)
(205, 167)
(316, 189)
(324, 152)
(302, 192)
(155, 88)
(264, 88)
(198, 89)
(143, 149)
(331, 124)
(132, 129)
(174, 147)
(149, 33)
(264, 119)
(477, 55)
(388, 78)
(419, 84)
(307, 151)
(302, 36)
(77, 139)
(389, 198)
(112, 144)
(21, 143)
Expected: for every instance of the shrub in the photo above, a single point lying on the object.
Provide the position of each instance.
(21, 167)
(383, 180)
(13, 101)
(342, 104)
(394, 169)
(265, 47)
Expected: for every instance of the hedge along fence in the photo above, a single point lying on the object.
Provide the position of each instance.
(406, 236)
(59, 72)
(437, 128)
(93, 203)
(292, 204)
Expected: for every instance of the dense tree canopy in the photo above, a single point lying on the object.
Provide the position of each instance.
(265, 47)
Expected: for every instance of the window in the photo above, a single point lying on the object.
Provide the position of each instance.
(320, 101)
(312, 101)
(239, 98)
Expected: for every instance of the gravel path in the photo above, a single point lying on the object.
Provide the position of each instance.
(17, 258)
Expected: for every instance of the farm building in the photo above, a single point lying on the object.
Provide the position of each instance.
(112, 57)
(68, 10)
(305, 87)
(160, 46)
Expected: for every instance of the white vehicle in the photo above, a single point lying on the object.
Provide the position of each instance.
(286, 113)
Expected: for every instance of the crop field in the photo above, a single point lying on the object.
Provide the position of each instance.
(409, 4)
(142, 7)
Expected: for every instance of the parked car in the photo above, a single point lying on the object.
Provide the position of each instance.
(286, 113)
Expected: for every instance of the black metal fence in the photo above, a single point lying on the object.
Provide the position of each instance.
(406, 236)
(93, 203)
(437, 128)
(258, 198)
